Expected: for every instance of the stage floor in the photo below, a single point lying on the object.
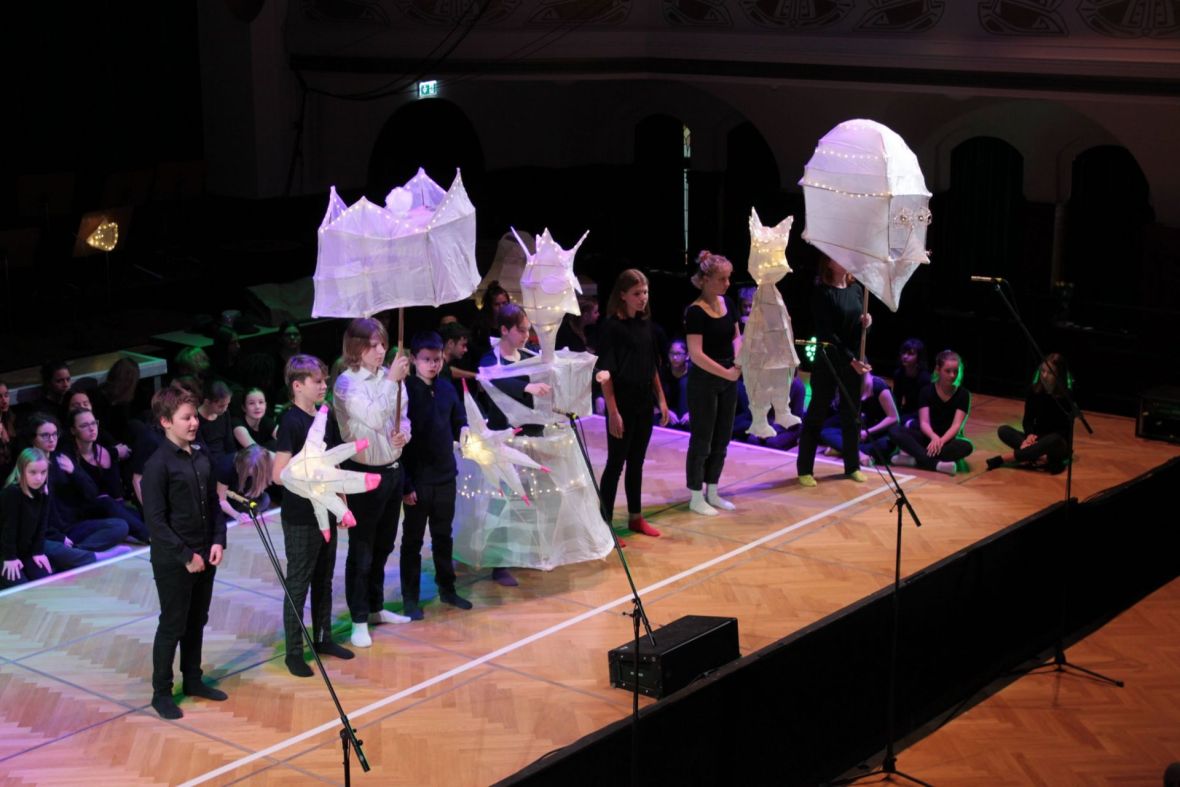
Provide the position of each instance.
(472, 697)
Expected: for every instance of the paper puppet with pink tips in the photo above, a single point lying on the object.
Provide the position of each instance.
(313, 473)
(489, 449)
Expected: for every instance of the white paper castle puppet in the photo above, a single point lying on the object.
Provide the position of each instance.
(768, 358)
(418, 250)
(489, 449)
(867, 206)
(549, 289)
(313, 474)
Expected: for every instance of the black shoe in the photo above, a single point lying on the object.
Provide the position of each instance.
(198, 689)
(454, 599)
(330, 648)
(1056, 468)
(412, 611)
(297, 666)
(164, 705)
(995, 463)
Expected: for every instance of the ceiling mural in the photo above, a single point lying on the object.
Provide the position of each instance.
(1132, 18)
(581, 12)
(453, 12)
(352, 13)
(1022, 18)
(900, 16)
(696, 13)
(796, 14)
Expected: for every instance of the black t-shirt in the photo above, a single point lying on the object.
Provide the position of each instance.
(263, 435)
(906, 389)
(627, 349)
(217, 435)
(716, 332)
(837, 313)
(870, 409)
(942, 414)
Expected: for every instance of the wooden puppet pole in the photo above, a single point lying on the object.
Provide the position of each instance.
(401, 328)
(864, 329)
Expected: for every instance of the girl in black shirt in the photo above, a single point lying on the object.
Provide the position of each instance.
(912, 375)
(24, 518)
(631, 386)
(1045, 439)
(936, 442)
(714, 341)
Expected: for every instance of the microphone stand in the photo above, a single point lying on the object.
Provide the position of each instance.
(901, 503)
(1060, 662)
(348, 739)
(637, 614)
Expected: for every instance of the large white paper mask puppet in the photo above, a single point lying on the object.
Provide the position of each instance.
(867, 206)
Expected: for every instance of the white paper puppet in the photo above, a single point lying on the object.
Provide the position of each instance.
(867, 206)
(489, 449)
(549, 289)
(768, 358)
(417, 250)
(313, 474)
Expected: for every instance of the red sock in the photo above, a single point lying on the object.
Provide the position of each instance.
(641, 525)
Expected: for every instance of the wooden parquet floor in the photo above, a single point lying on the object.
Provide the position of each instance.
(466, 698)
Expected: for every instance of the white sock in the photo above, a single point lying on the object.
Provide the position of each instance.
(946, 467)
(697, 504)
(360, 636)
(903, 460)
(714, 498)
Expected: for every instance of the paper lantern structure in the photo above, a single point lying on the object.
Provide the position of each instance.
(313, 474)
(867, 206)
(507, 266)
(549, 289)
(489, 449)
(417, 250)
(768, 358)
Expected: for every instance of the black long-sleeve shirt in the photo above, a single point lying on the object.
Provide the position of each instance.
(1043, 416)
(436, 416)
(23, 522)
(180, 504)
(73, 493)
(837, 313)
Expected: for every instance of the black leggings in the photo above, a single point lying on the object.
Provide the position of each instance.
(712, 401)
(1050, 445)
(913, 441)
(630, 449)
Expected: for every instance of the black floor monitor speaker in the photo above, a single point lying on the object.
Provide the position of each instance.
(685, 649)
(1159, 414)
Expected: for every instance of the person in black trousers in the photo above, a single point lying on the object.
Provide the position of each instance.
(1045, 439)
(188, 540)
(836, 305)
(936, 442)
(627, 364)
(429, 495)
(311, 561)
(714, 342)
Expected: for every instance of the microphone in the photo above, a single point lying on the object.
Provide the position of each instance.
(566, 413)
(232, 495)
(812, 343)
(989, 279)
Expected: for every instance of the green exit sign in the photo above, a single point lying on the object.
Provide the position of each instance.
(428, 89)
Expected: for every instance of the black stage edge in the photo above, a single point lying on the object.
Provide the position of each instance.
(811, 707)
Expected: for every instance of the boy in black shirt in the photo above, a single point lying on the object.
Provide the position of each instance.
(188, 538)
(436, 416)
(310, 561)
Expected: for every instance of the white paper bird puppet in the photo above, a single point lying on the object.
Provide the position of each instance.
(313, 474)
(489, 449)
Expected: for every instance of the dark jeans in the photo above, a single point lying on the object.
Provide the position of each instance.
(95, 535)
(311, 561)
(436, 507)
(1053, 446)
(371, 540)
(711, 404)
(878, 448)
(29, 571)
(823, 388)
(113, 509)
(914, 441)
(63, 558)
(184, 611)
(630, 449)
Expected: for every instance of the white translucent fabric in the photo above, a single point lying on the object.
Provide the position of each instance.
(768, 357)
(417, 250)
(867, 206)
(560, 524)
(569, 375)
(490, 451)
